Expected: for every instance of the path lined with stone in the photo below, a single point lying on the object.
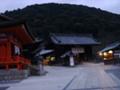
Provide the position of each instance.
(95, 78)
(88, 76)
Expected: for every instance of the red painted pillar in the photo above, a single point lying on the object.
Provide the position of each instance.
(7, 67)
(19, 66)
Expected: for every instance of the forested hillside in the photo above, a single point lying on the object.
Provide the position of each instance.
(65, 18)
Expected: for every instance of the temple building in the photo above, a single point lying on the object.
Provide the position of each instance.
(13, 36)
(111, 53)
(72, 49)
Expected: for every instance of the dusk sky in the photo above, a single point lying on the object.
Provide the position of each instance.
(109, 5)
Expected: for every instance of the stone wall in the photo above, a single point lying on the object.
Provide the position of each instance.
(13, 74)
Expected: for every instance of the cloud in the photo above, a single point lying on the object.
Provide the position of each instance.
(109, 5)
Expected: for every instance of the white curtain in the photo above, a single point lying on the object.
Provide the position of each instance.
(17, 50)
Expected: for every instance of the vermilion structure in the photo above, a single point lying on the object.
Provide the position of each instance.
(13, 35)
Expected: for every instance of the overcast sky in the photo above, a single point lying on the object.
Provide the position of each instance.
(109, 5)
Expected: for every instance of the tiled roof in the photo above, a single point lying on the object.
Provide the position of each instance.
(9, 22)
(43, 52)
(6, 21)
(4, 18)
(111, 46)
(73, 39)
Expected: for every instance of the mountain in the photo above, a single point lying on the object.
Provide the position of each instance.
(66, 18)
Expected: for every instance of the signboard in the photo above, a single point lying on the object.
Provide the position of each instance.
(78, 50)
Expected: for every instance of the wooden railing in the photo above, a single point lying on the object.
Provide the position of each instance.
(15, 60)
(21, 60)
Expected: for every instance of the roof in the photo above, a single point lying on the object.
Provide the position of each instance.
(34, 47)
(4, 18)
(111, 46)
(44, 52)
(17, 27)
(11, 23)
(73, 39)
(66, 54)
(15, 23)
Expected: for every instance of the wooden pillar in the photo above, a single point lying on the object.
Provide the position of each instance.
(7, 67)
(8, 50)
(8, 54)
(19, 66)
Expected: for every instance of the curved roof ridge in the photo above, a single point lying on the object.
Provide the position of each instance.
(5, 17)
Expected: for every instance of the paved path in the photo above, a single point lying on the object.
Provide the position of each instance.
(95, 77)
(88, 76)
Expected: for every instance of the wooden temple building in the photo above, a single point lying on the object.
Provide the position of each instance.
(111, 53)
(71, 49)
(13, 36)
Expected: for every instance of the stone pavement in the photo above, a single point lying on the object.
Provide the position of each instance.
(95, 77)
(88, 76)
